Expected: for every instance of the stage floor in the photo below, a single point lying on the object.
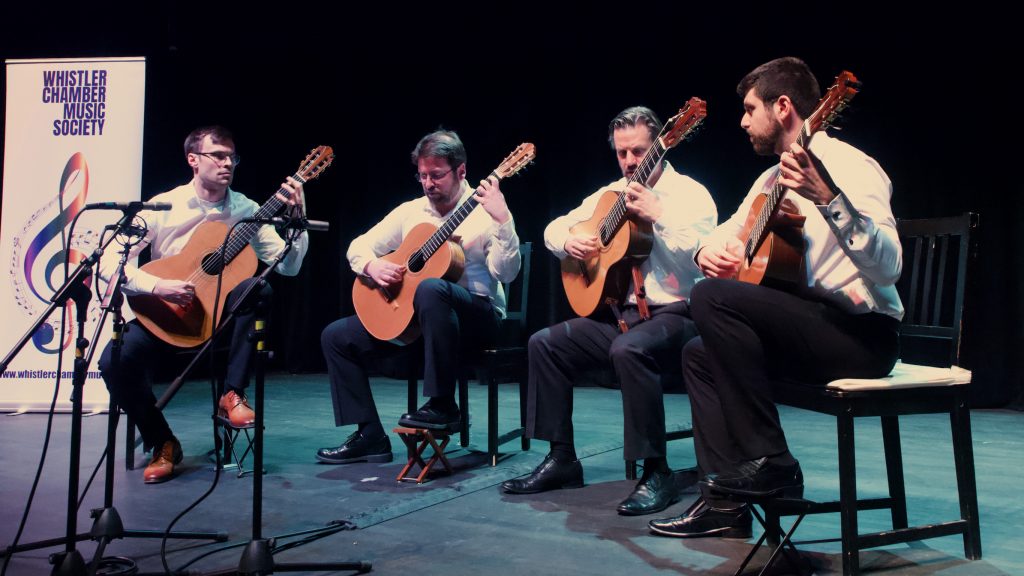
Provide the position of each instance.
(463, 524)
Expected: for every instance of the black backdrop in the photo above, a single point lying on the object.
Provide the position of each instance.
(369, 80)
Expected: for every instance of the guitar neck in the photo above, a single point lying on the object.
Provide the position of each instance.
(244, 233)
(617, 214)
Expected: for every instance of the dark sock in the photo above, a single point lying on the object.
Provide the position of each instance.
(563, 451)
(782, 459)
(371, 429)
(446, 403)
(656, 465)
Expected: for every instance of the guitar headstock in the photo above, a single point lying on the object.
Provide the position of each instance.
(317, 161)
(517, 160)
(685, 123)
(832, 103)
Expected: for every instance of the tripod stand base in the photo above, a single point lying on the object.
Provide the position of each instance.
(257, 559)
(68, 563)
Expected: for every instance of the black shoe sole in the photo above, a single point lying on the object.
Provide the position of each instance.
(371, 458)
(567, 486)
(727, 532)
(451, 427)
(795, 492)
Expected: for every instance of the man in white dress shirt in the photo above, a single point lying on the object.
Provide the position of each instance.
(450, 314)
(680, 211)
(841, 320)
(210, 153)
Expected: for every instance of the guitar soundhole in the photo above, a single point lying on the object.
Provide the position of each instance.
(212, 264)
(416, 262)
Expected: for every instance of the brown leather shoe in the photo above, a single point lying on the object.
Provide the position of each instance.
(236, 409)
(161, 467)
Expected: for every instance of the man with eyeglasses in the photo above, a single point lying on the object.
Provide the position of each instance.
(450, 314)
(638, 345)
(210, 152)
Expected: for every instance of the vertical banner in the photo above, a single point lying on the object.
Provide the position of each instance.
(73, 136)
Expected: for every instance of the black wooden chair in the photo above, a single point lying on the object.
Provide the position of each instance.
(505, 361)
(932, 288)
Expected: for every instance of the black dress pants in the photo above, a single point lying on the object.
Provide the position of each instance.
(560, 353)
(129, 382)
(752, 336)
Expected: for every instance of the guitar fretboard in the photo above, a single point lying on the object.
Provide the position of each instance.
(617, 213)
(240, 238)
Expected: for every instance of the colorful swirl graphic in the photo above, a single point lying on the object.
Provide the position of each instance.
(74, 178)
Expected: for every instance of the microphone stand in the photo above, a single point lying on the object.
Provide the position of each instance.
(257, 558)
(70, 561)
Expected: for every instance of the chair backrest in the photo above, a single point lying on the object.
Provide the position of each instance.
(932, 286)
(517, 301)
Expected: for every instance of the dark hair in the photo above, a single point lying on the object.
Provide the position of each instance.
(217, 134)
(634, 116)
(441, 144)
(787, 76)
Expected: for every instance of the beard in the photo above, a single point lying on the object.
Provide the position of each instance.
(764, 144)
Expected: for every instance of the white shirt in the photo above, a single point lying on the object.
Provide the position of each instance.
(492, 250)
(688, 213)
(853, 255)
(169, 232)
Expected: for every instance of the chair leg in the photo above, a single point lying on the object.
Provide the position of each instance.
(492, 414)
(894, 470)
(464, 407)
(630, 469)
(129, 443)
(963, 455)
(848, 494)
(413, 394)
(523, 392)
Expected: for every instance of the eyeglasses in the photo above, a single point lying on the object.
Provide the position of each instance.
(220, 157)
(435, 176)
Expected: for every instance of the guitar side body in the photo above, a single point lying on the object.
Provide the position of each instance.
(589, 283)
(778, 260)
(388, 314)
(189, 326)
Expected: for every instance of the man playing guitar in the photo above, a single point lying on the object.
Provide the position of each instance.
(449, 313)
(210, 152)
(681, 210)
(841, 320)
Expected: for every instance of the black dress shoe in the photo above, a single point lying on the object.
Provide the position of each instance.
(432, 418)
(549, 475)
(357, 448)
(701, 520)
(652, 494)
(759, 479)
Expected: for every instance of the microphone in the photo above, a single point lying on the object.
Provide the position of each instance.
(134, 206)
(285, 223)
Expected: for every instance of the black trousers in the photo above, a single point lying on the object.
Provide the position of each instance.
(561, 352)
(450, 318)
(129, 383)
(752, 336)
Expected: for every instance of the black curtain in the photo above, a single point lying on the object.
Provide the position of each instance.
(370, 81)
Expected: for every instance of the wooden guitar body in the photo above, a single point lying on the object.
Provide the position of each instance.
(589, 283)
(387, 313)
(188, 326)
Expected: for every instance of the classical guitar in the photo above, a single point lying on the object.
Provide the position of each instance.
(625, 242)
(426, 252)
(199, 262)
(773, 246)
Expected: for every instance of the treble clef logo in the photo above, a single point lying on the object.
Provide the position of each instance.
(38, 268)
